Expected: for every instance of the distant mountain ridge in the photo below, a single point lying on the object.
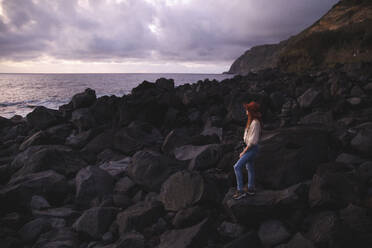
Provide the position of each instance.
(342, 36)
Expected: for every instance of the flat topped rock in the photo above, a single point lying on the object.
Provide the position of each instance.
(267, 203)
(62, 212)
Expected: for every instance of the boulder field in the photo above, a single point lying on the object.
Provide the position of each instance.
(154, 168)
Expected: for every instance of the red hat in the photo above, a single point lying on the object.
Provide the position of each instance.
(252, 106)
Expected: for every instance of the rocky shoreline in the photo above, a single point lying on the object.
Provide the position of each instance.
(154, 168)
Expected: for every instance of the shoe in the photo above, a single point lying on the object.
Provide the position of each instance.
(251, 191)
(239, 194)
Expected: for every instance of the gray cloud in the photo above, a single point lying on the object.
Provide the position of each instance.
(111, 30)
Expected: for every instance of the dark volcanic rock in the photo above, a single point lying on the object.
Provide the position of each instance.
(58, 238)
(150, 169)
(166, 84)
(139, 216)
(195, 236)
(332, 189)
(116, 168)
(201, 157)
(132, 240)
(101, 142)
(92, 185)
(66, 214)
(83, 119)
(326, 230)
(84, 99)
(298, 240)
(188, 217)
(231, 230)
(31, 231)
(42, 117)
(291, 155)
(266, 204)
(318, 117)
(310, 98)
(18, 192)
(4, 122)
(359, 224)
(81, 139)
(39, 202)
(38, 158)
(362, 142)
(250, 238)
(176, 138)
(95, 221)
(273, 232)
(124, 186)
(38, 138)
(183, 189)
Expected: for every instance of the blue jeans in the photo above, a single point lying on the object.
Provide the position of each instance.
(247, 160)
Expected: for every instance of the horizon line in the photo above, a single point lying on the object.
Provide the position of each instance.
(196, 73)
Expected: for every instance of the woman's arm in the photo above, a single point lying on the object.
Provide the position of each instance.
(253, 138)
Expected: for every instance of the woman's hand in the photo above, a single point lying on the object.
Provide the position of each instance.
(242, 153)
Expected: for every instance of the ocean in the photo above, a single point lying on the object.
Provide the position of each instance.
(20, 93)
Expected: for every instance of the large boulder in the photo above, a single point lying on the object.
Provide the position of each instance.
(132, 239)
(290, 155)
(31, 230)
(80, 139)
(137, 135)
(150, 169)
(84, 99)
(359, 224)
(139, 216)
(194, 236)
(38, 202)
(83, 119)
(250, 238)
(19, 191)
(183, 189)
(104, 109)
(4, 122)
(332, 187)
(188, 217)
(324, 118)
(200, 157)
(231, 230)
(175, 138)
(273, 232)
(94, 222)
(327, 230)
(362, 142)
(266, 204)
(39, 158)
(298, 240)
(38, 138)
(310, 98)
(100, 142)
(65, 215)
(58, 238)
(166, 84)
(117, 167)
(42, 117)
(92, 185)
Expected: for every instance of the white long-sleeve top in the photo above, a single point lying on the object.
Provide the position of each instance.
(252, 134)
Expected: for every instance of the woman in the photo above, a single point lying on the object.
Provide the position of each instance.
(252, 135)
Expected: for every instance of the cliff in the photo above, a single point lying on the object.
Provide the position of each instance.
(341, 36)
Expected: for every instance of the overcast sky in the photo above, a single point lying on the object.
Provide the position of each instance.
(199, 36)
